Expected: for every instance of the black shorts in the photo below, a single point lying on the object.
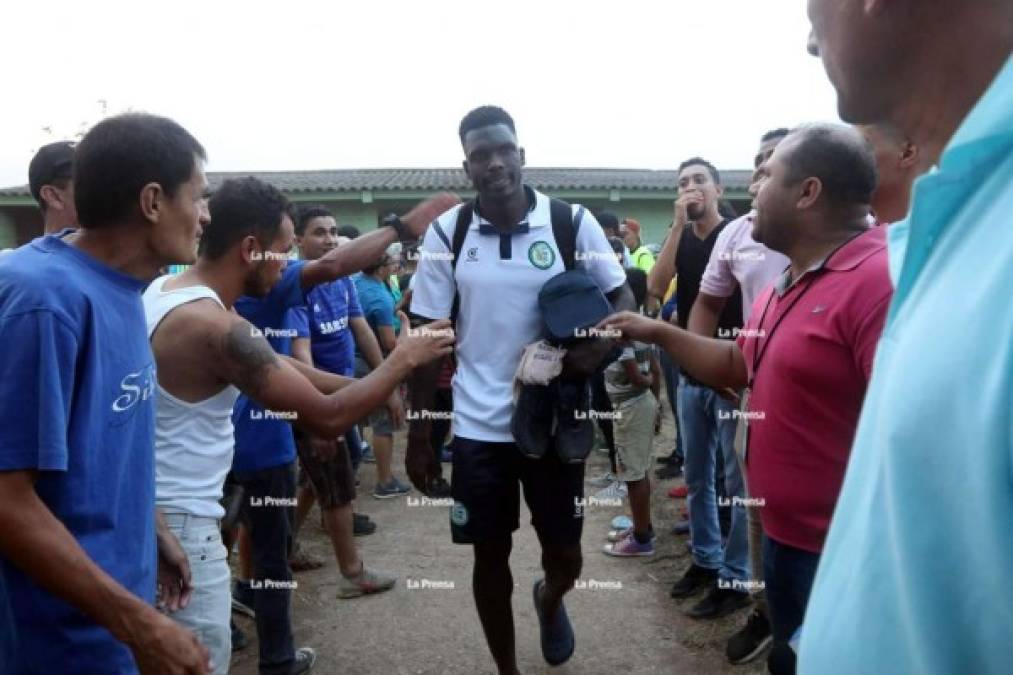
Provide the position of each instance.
(487, 500)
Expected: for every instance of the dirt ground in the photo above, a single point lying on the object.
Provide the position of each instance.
(427, 624)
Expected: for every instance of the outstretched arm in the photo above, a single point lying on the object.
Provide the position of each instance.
(247, 360)
(367, 249)
(717, 363)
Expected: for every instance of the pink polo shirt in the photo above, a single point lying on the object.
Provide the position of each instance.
(808, 388)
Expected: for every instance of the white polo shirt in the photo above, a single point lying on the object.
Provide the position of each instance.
(498, 278)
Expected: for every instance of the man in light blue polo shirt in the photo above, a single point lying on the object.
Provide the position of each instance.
(915, 574)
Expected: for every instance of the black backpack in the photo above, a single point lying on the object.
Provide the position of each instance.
(565, 225)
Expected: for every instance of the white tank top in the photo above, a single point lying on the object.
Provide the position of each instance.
(194, 442)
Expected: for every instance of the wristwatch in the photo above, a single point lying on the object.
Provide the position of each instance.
(403, 234)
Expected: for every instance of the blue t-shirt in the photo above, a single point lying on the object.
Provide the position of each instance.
(376, 301)
(324, 319)
(77, 405)
(265, 441)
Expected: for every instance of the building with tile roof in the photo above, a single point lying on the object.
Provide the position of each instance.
(361, 197)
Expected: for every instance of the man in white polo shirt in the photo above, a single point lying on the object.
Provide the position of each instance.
(508, 253)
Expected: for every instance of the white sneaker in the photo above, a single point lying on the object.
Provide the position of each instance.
(615, 491)
(603, 480)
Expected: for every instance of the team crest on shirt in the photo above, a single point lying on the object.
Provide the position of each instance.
(473, 254)
(541, 255)
(459, 514)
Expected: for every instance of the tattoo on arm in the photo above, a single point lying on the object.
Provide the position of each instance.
(250, 358)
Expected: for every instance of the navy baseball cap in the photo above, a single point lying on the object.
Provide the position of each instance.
(52, 162)
(571, 302)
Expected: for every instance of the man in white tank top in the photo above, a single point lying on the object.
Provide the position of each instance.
(206, 355)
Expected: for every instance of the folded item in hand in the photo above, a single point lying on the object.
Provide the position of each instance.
(540, 362)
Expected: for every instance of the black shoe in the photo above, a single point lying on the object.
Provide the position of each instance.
(439, 488)
(362, 525)
(751, 641)
(574, 430)
(239, 639)
(695, 579)
(670, 458)
(305, 657)
(669, 471)
(531, 423)
(558, 641)
(717, 603)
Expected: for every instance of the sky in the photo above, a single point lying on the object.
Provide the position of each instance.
(311, 85)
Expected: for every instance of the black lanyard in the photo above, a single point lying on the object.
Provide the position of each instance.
(759, 353)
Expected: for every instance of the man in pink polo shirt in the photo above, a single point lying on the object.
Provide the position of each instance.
(805, 354)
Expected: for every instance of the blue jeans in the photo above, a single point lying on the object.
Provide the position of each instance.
(270, 524)
(708, 427)
(670, 371)
(788, 574)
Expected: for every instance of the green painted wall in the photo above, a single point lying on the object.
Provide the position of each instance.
(8, 231)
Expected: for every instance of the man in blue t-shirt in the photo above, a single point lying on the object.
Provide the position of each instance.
(328, 327)
(77, 485)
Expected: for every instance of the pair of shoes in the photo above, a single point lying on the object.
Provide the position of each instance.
(558, 641)
(669, 471)
(751, 640)
(363, 583)
(603, 480)
(239, 639)
(301, 560)
(694, 579)
(718, 602)
(362, 525)
(393, 488)
(679, 492)
(615, 491)
(446, 454)
(629, 547)
(242, 598)
(305, 657)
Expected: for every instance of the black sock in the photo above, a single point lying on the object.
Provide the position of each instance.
(644, 538)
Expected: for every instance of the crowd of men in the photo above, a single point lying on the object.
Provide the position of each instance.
(835, 359)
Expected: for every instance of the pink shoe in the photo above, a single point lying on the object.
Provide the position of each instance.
(629, 547)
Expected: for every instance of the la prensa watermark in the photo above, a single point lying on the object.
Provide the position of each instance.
(430, 584)
(438, 256)
(747, 333)
(274, 584)
(748, 502)
(273, 332)
(612, 415)
(745, 586)
(749, 415)
(281, 415)
(424, 332)
(415, 502)
(273, 255)
(268, 501)
(413, 415)
(597, 333)
(597, 585)
(754, 256)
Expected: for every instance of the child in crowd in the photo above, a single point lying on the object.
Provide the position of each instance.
(632, 383)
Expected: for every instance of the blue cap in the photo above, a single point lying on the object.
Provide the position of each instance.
(571, 302)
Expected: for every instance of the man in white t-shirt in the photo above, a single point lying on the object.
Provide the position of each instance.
(508, 253)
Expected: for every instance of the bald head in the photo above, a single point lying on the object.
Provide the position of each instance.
(838, 156)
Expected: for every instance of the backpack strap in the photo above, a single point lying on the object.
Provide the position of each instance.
(464, 216)
(564, 228)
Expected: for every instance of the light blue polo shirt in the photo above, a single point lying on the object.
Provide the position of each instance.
(917, 572)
